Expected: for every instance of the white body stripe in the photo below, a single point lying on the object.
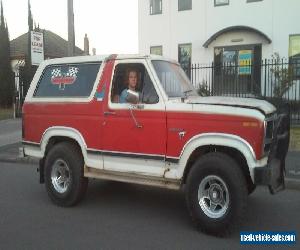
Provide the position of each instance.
(144, 167)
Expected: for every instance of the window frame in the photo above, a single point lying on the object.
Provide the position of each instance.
(151, 7)
(88, 98)
(185, 9)
(178, 50)
(221, 4)
(125, 106)
(153, 61)
(290, 36)
(291, 58)
(157, 46)
(253, 1)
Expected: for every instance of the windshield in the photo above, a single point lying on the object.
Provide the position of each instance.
(173, 79)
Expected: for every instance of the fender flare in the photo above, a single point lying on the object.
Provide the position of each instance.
(218, 139)
(63, 132)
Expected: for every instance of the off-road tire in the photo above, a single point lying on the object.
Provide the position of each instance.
(226, 169)
(71, 155)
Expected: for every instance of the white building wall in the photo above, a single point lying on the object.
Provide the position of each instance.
(275, 18)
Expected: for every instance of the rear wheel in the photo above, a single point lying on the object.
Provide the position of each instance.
(64, 179)
(216, 194)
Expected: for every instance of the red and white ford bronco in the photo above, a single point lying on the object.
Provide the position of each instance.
(217, 148)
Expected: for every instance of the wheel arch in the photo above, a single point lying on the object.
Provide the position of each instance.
(234, 146)
(232, 152)
(55, 135)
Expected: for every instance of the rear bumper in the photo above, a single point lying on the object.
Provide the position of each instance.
(272, 175)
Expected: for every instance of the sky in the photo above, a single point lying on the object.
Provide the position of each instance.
(111, 25)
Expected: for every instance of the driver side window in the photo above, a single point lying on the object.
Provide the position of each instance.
(132, 84)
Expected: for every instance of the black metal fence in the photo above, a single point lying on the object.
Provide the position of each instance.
(275, 80)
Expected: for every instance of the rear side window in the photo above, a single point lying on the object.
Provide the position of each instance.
(72, 80)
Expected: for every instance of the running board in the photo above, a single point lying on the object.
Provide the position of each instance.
(131, 178)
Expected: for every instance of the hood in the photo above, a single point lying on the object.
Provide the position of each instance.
(250, 103)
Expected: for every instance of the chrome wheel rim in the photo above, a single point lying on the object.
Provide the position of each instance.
(213, 196)
(60, 176)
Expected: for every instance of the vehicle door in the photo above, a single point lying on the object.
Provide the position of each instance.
(134, 134)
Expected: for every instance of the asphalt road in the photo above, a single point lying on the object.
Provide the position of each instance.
(124, 216)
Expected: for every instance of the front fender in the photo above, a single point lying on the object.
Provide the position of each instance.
(218, 139)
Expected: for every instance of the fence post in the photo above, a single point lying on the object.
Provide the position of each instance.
(212, 78)
(265, 77)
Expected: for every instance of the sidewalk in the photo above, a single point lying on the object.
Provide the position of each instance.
(13, 153)
(10, 131)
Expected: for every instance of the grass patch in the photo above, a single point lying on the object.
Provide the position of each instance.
(6, 113)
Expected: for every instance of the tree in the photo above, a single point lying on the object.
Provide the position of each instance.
(6, 73)
(283, 73)
(28, 71)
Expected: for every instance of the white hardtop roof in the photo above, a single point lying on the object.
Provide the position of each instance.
(98, 58)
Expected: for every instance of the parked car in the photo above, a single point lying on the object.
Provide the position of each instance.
(83, 119)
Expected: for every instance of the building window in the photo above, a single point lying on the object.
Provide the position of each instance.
(156, 50)
(251, 1)
(184, 5)
(185, 57)
(294, 55)
(155, 7)
(221, 2)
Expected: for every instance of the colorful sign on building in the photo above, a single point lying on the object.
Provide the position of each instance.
(245, 62)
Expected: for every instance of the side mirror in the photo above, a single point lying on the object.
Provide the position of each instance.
(132, 96)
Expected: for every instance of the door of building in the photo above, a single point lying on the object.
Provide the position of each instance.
(237, 70)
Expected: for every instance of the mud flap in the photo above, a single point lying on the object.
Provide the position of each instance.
(276, 181)
(40, 170)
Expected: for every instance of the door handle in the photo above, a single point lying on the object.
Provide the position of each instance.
(107, 113)
(134, 119)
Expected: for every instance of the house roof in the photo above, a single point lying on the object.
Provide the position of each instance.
(55, 46)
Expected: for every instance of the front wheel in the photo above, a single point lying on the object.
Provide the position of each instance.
(216, 194)
(64, 179)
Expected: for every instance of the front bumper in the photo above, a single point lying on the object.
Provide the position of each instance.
(272, 174)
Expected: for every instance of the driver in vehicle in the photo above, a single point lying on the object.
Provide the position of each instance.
(130, 94)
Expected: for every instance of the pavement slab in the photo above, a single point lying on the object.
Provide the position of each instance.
(10, 131)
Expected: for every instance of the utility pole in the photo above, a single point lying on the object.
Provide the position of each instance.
(71, 30)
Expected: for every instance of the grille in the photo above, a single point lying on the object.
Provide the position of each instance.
(269, 133)
(269, 129)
